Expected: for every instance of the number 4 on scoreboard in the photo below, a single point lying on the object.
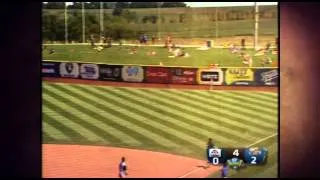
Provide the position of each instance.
(236, 152)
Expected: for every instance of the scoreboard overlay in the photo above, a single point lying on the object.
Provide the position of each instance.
(238, 157)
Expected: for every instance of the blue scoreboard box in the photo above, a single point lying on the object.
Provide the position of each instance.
(238, 156)
(255, 155)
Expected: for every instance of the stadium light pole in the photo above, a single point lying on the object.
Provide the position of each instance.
(66, 23)
(217, 23)
(159, 20)
(83, 25)
(101, 21)
(256, 26)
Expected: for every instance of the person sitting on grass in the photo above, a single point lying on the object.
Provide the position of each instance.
(234, 49)
(152, 53)
(264, 51)
(92, 40)
(133, 50)
(178, 52)
(51, 51)
(246, 59)
(266, 60)
(99, 48)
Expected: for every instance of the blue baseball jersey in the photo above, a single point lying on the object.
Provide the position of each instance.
(224, 171)
(122, 167)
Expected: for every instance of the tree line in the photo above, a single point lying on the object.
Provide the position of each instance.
(118, 24)
(111, 5)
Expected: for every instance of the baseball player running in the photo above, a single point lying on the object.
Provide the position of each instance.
(123, 168)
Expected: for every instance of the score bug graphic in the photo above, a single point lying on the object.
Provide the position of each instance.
(238, 157)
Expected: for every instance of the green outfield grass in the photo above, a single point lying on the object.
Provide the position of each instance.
(166, 120)
(120, 55)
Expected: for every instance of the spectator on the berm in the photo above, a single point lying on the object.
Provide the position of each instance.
(145, 39)
(104, 41)
(91, 40)
(109, 41)
(153, 38)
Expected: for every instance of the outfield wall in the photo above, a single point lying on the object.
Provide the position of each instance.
(233, 76)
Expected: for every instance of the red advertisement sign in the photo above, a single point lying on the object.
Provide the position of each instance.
(184, 75)
(158, 75)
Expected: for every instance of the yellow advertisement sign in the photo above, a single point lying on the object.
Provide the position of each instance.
(239, 76)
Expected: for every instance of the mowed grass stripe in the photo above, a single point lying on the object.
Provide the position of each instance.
(207, 110)
(160, 115)
(64, 127)
(187, 108)
(212, 129)
(121, 133)
(153, 113)
(78, 117)
(249, 99)
(144, 135)
(53, 131)
(212, 96)
(59, 115)
(257, 97)
(271, 96)
(168, 132)
(243, 128)
(46, 138)
(243, 113)
(119, 116)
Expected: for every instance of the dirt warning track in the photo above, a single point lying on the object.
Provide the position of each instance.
(78, 161)
(152, 85)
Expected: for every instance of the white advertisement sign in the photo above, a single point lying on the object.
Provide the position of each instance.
(89, 71)
(69, 70)
(132, 73)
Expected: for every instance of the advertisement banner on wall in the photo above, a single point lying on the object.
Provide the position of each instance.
(213, 76)
(69, 70)
(239, 76)
(50, 69)
(267, 77)
(157, 75)
(110, 72)
(89, 71)
(184, 75)
(132, 73)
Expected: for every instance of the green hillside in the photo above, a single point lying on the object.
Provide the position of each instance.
(179, 22)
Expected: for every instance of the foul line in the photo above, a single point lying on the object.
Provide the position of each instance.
(190, 172)
(272, 135)
(198, 168)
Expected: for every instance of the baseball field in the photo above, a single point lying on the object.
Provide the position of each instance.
(161, 129)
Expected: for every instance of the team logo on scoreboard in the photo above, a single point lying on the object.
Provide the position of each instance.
(235, 163)
(214, 152)
(256, 155)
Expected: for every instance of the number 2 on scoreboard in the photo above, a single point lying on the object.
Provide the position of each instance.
(253, 160)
